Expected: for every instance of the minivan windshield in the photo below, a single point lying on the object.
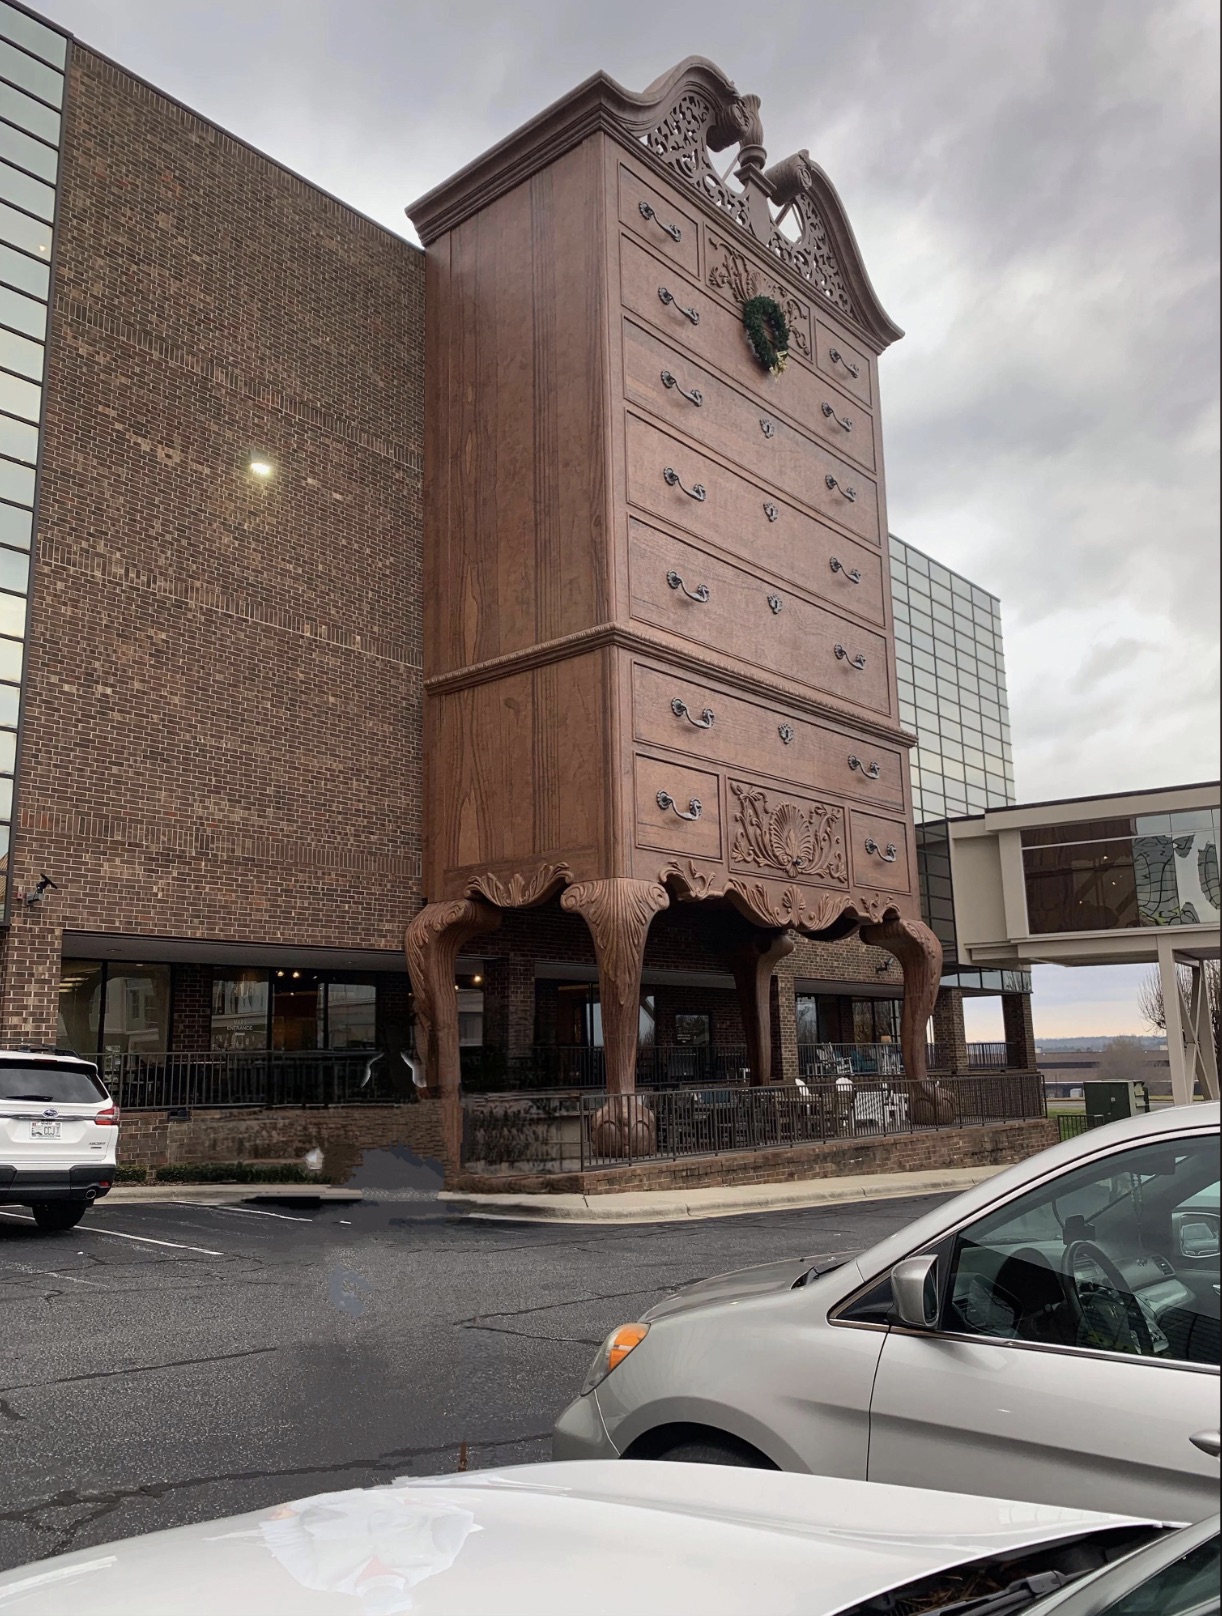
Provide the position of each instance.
(58, 1083)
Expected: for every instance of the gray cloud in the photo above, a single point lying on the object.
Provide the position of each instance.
(1034, 186)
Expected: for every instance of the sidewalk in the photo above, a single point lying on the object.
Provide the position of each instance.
(668, 1206)
(212, 1194)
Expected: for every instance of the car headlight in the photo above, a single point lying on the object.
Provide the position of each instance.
(613, 1351)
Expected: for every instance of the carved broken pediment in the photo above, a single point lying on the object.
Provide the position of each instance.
(730, 270)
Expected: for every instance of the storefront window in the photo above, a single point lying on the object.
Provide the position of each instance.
(876, 1021)
(80, 1006)
(239, 1009)
(136, 1015)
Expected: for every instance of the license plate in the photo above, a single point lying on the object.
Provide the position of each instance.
(44, 1130)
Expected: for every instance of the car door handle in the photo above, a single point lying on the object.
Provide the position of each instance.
(1209, 1442)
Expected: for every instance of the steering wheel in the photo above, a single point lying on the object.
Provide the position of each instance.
(1109, 1315)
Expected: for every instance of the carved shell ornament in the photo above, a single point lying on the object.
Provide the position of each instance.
(796, 840)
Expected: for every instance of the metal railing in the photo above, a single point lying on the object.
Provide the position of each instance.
(562, 1066)
(187, 1079)
(571, 1132)
(988, 1057)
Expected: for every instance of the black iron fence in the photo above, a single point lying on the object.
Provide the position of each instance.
(559, 1066)
(559, 1132)
(141, 1081)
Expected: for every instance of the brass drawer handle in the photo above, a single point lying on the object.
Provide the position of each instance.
(665, 801)
(681, 710)
(695, 397)
(834, 354)
(840, 420)
(668, 296)
(767, 427)
(851, 573)
(858, 661)
(888, 857)
(785, 731)
(849, 493)
(775, 603)
(671, 478)
(770, 510)
(672, 230)
(700, 593)
(871, 770)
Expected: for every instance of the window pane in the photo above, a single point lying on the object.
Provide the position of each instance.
(10, 660)
(28, 114)
(28, 274)
(16, 482)
(8, 751)
(26, 192)
(136, 1013)
(44, 42)
(6, 797)
(352, 1014)
(1088, 887)
(28, 153)
(80, 1005)
(10, 702)
(12, 614)
(18, 439)
(239, 1009)
(19, 398)
(15, 526)
(1072, 1262)
(14, 570)
(22, 231)
(21, 69)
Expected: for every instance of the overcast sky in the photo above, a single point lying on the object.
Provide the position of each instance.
(1034, 186)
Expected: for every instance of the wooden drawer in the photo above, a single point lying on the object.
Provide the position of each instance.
(880, 852)
(658, 220)
(846, 365)
(690, 593)
(716, 334)
(748, 521)
(765, 740)
(775, 832)
(691, 398)
(677, 809)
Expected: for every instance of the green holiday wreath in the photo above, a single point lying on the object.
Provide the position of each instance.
(767, 332)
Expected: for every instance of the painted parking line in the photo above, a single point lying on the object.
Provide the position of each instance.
(114, 1234)
(242, 1211)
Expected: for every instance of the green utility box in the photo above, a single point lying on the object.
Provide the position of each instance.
(1109, 1102)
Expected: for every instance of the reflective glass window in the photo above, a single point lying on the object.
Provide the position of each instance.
(924, 680)
(352, 1015)
(28, 274)
(10, 702)
(942, 614)
(20, 354)
(940, 575)
(6, 797)
(26, 152)
(15, 526)
(29, 114)
(80, 1005)
(921, 641)
(960, 586)
(900, 609)
(923, 659)
(927, 700)
(921, 619)
(19, 68)
(990, 726)
(916, 561)
(907, 712)
(12, 614)
(8, 750)
(16, 482)
(943, 635)
(18, 439)
(19, 397)
(27, 193)
(11, 657)
(952, 768)
(240, 1001)
(28, 31)
(20, 230)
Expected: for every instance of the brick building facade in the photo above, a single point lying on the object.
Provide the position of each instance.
(219, 765)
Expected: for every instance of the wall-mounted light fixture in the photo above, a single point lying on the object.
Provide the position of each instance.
(260, 467)
(39, 892)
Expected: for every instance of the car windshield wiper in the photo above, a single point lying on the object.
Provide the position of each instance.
(1015, 1596)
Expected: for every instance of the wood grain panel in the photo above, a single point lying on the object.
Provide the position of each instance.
(717, 336)
(571, 750)
(797, 641)
(484, 801)
(872, 869)
(665, 217)
(735, 425)
(765, 740)
(839, 359)
(663, 828)
(751, 522)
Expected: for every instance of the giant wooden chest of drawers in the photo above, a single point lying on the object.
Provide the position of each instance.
(658, 635)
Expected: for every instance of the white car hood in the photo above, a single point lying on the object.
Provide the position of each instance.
(547, 1540)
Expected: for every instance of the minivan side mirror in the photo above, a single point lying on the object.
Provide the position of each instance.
(914, 1285)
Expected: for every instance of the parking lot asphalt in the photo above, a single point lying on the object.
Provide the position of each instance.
(171, 1363)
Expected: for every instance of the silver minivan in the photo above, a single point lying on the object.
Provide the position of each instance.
(1050, 1335)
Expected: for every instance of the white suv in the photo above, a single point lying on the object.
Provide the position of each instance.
(59, 1135)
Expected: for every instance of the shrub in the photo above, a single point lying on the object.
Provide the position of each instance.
(236, 1173)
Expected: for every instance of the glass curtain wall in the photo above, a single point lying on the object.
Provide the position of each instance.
(32, 63)
(112, 1006)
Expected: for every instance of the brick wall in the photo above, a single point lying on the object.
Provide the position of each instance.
(222, 712)
(837, 1158)
(152, 1139)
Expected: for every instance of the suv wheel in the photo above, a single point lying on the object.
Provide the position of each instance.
(58, 1215)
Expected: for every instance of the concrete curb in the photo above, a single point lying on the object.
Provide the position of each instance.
(668, 1206)
(212, 1194)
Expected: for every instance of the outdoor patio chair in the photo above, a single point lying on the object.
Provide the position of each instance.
(831, 1064)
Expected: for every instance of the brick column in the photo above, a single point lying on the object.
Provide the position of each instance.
(784, 1026)
(1020, 1031)
(190, 1007)
(509, 1003)
(948, 1029)
(29, 976)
